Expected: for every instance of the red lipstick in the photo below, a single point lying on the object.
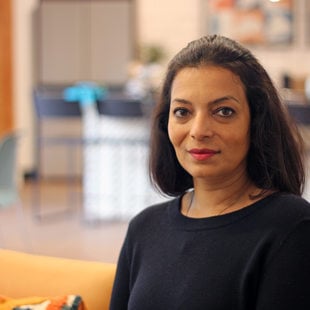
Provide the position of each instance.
(202, 154)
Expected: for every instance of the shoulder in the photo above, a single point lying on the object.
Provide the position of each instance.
(293, 211)
(290, 205)
(277, 214)
(288, 197)
(290, 227)
(282, 213)
(153, 215)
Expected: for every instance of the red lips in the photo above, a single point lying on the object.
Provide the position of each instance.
(202, 154)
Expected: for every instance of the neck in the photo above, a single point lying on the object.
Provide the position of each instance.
(207, 201)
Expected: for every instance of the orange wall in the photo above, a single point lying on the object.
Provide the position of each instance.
(6, 102)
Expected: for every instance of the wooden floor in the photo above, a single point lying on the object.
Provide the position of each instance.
(66, 234)
(57, 233)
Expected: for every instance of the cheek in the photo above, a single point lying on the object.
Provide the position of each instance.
(237, 137)
(241, 141)
(247, 135)
(173, 140)
(176, 134)
(172, 132)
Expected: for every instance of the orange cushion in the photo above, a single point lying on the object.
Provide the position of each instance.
(67, 302)
(24, 275)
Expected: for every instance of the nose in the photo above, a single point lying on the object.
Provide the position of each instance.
(201, 127)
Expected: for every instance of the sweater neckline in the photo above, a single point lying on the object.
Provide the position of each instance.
(183, 222)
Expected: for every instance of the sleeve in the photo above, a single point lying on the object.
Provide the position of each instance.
(120, 291)
(286, 282)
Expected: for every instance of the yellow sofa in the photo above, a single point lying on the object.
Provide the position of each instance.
(26, 275)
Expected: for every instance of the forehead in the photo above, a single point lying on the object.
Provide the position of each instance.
(207, 84)
(206, 76)
(208, 79)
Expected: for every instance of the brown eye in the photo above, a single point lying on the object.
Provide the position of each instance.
(225, 112)
(180, 112)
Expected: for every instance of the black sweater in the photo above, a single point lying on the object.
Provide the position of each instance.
(254, 258)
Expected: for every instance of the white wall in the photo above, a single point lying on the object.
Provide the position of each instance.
(176, 22)
(169, 23)
(23, 73)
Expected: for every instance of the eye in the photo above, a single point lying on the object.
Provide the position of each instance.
(224, 112)
(180, 112)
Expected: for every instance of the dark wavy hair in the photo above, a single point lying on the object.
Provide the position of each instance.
(274, 160)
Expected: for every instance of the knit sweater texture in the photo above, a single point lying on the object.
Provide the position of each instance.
(254, 258)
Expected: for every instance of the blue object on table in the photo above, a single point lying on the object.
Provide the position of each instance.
(86, 93)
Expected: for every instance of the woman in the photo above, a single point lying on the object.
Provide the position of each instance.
(237, 235)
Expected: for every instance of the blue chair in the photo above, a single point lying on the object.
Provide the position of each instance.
(49, 104)
(9, 194)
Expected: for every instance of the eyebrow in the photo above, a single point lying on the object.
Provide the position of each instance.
(215, 101)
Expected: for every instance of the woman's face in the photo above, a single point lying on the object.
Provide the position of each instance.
(209, 122)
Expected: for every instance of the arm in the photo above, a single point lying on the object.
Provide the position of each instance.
(285, 284)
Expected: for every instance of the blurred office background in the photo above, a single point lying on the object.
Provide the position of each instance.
(53, 44)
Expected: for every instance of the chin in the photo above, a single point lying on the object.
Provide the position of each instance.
(198, 173)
